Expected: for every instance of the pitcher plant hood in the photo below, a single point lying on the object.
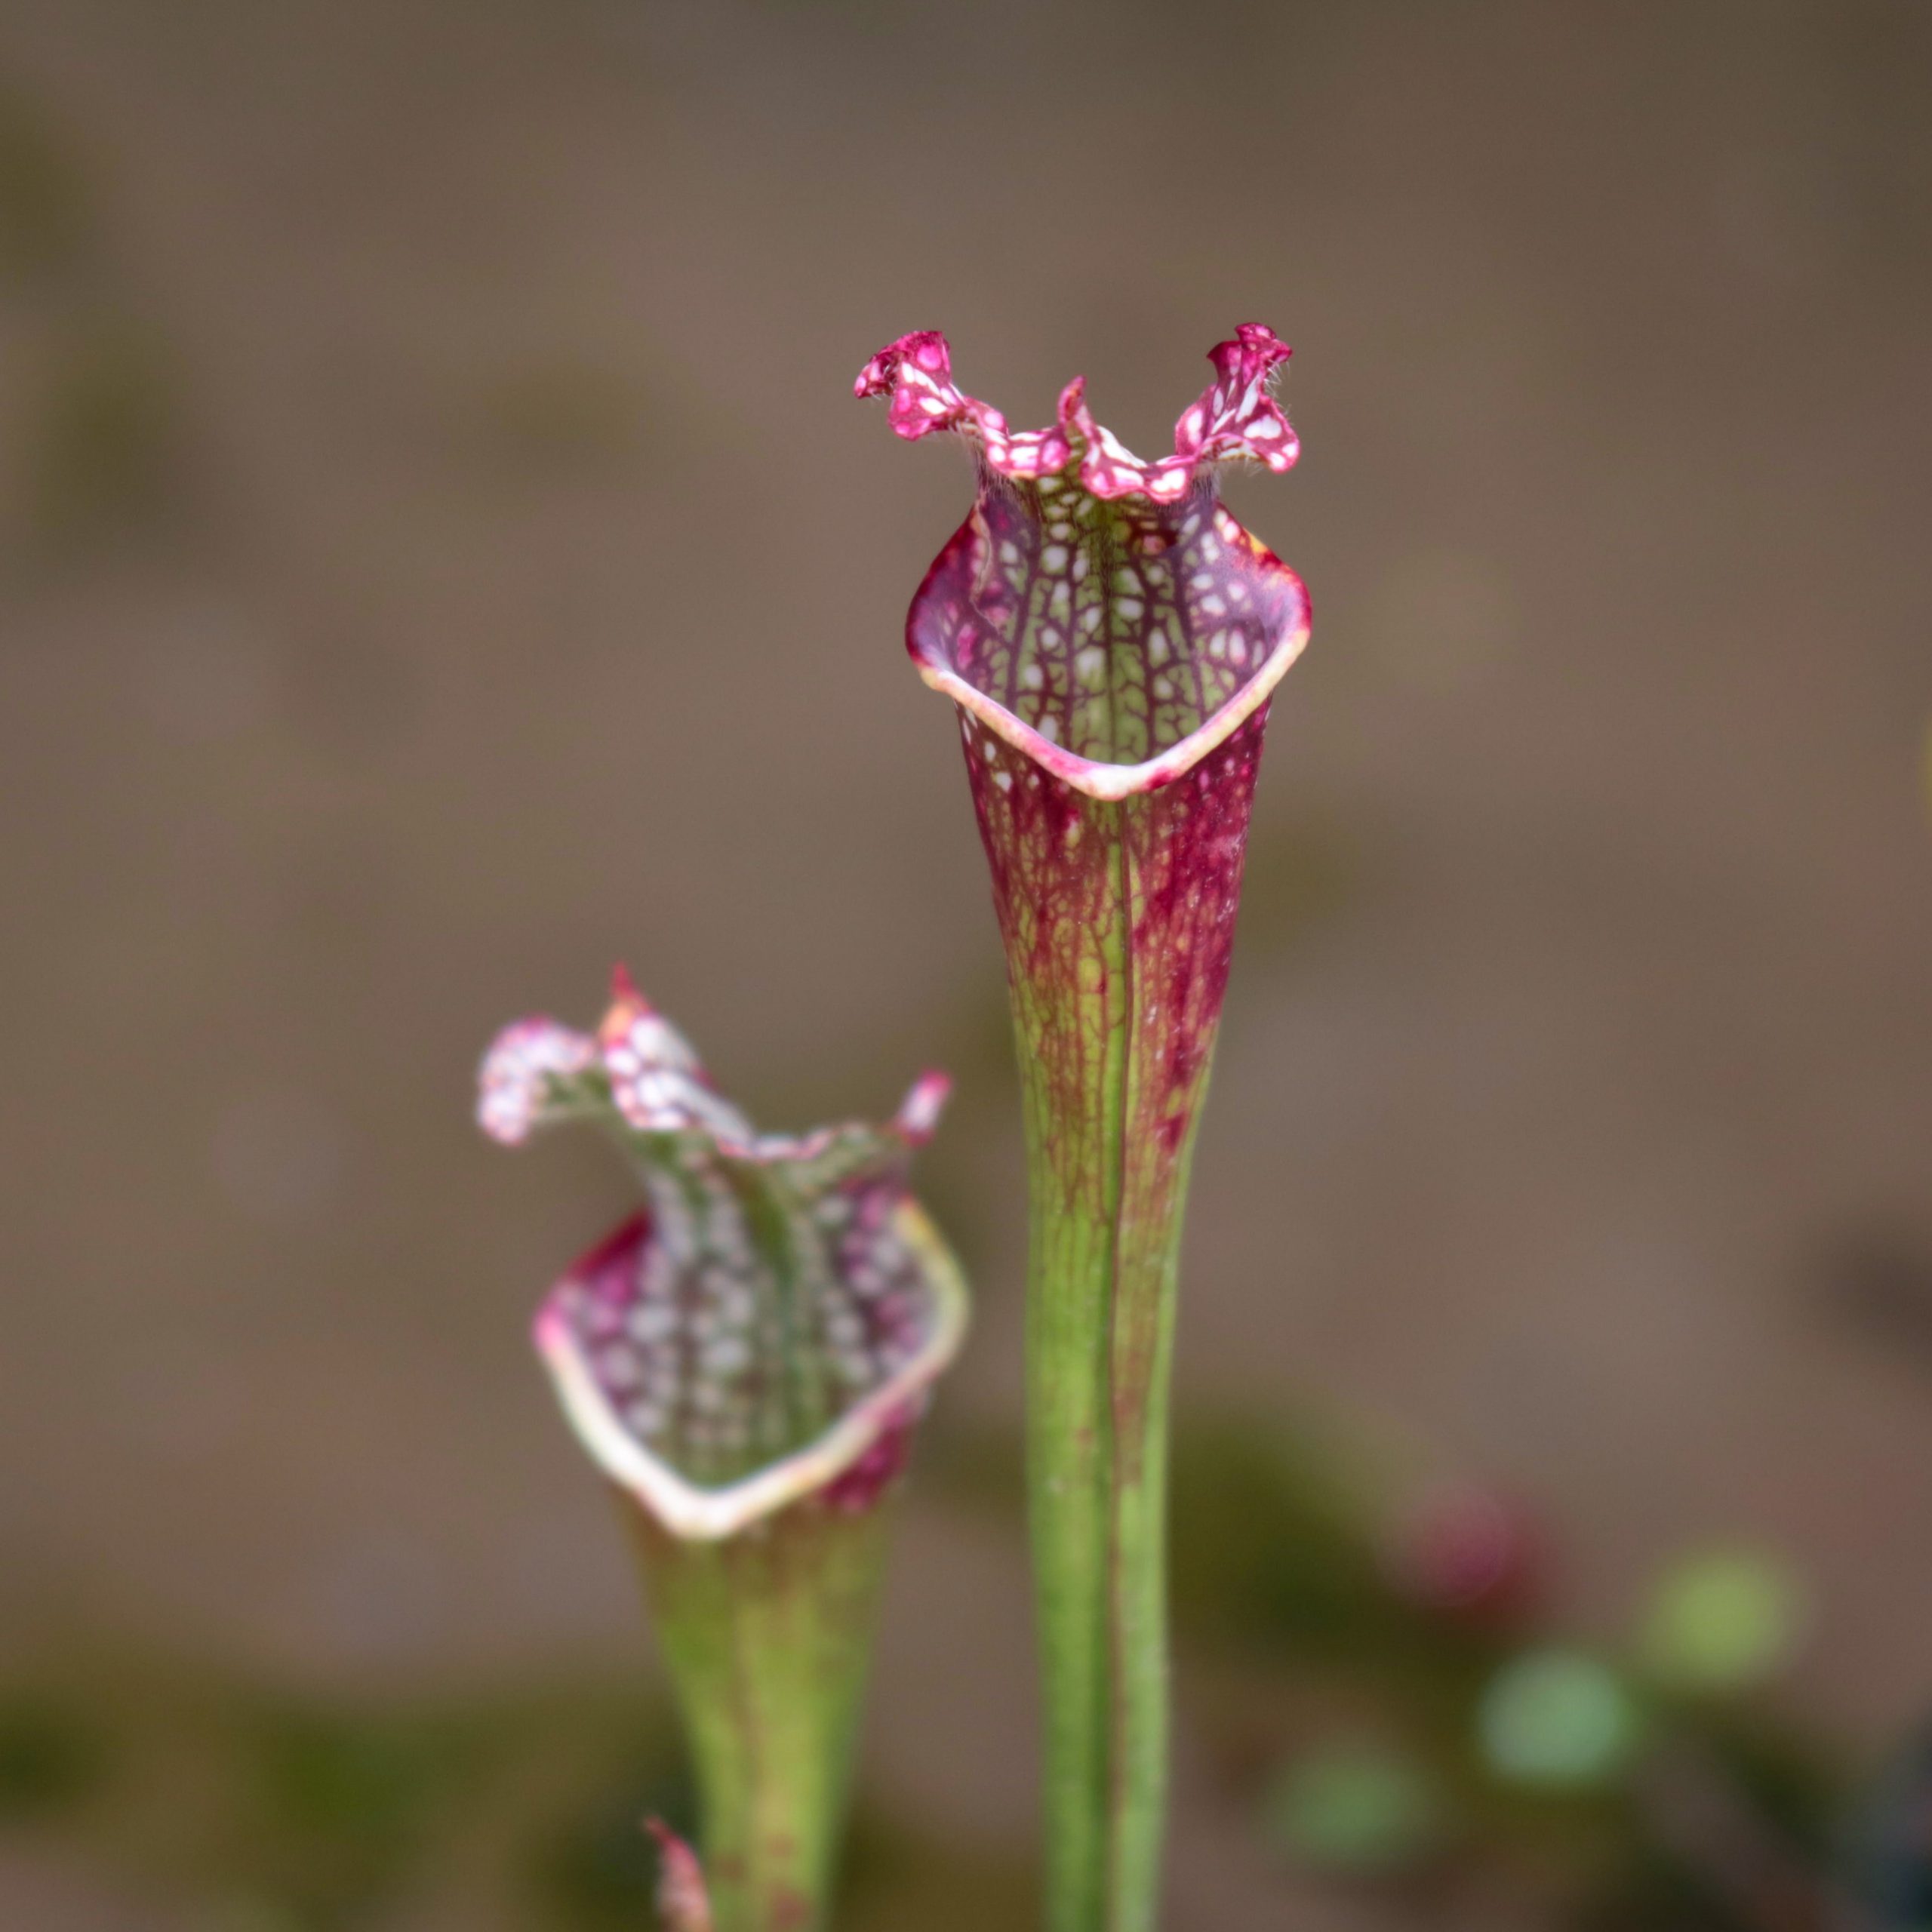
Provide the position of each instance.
(768, 1326)
(1106, 617)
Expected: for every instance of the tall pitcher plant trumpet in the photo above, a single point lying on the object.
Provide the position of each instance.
(1112, 637)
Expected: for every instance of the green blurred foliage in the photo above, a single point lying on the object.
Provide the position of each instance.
(51, 1757)
(1656, 1891)
(257, 1807)
(1554, 1716)
(255, 1810)
(335, 1809)
(1375, 1734)
(1502, 1757)
(1721, 1621)
(1278, 1553)
(1354, 1805)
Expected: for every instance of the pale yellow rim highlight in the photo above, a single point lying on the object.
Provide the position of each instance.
(1116, 782)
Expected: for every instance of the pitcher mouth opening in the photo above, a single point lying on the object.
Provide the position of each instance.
(939, 613)
(600, 1414)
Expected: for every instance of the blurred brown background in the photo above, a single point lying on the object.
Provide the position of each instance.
(442, 555)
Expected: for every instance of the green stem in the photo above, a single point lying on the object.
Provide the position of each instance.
(1111, 1107)
(766, 1634)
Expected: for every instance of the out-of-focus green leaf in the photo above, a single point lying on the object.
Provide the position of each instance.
(1556, 1717)
(1722, 1619)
